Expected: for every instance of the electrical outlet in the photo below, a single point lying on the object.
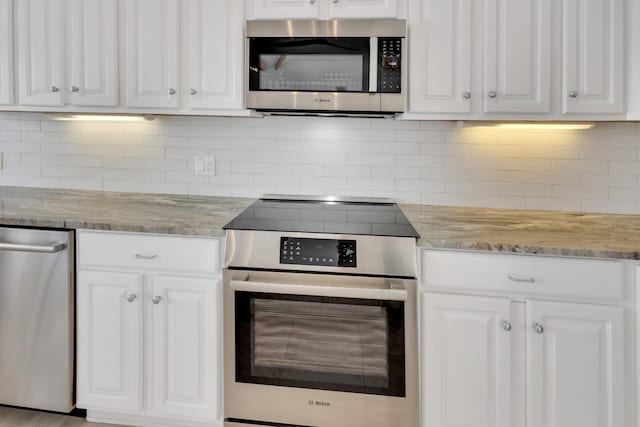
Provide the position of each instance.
(205, 165)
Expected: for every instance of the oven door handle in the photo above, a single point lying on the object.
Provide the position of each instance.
(396, 291)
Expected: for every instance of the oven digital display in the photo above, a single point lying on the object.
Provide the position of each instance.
(325, 252)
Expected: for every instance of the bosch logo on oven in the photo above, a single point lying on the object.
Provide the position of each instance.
(318, 403)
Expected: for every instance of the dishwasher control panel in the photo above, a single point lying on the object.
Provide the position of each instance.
(324, 252)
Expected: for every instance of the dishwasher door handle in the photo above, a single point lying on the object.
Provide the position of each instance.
(16, 247)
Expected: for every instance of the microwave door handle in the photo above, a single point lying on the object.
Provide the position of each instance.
(373, 64)
(396, 292)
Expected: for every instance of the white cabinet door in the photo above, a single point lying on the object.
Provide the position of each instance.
(184, 331)
(6, 52)
(109, 328)
(284, 9)
(517, 55)
(215, 47)
(152, 53)
(363, 8)
(440, 45)
(593, 56)
(94, 52)
(466, 361)
(40, 52)
(575, 365)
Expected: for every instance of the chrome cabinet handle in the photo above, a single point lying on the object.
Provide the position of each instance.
(573, 94)
(538, 328)
(506, 326)
(156, 300)
(336, 1)
(131, 297)
(54, 89)
(193, 91)
(172, 91)
(521, 279)
(75, 89)
(493, 94)
(140, 256)
(312, 1)
(466, 95)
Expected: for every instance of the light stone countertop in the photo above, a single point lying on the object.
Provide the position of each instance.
(440, 227)
(526, 231)
(133, 212)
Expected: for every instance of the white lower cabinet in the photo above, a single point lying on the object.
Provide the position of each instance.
(109, 311)
(575, 365)
(147, 344)
(185, 377)
(511, 358)
(466, 360)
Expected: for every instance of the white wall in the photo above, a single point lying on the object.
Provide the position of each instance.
(416, 162)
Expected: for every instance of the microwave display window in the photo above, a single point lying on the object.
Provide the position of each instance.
(309, 64)
(323, 73)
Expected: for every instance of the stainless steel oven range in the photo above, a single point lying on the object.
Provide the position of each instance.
(320, 315)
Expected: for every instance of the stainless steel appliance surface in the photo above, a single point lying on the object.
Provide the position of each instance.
(320, 324)
(37, 318)
(349, 65)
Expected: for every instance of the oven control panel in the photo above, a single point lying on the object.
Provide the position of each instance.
(325, 252)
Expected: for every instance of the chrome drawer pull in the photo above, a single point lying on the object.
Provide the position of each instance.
(131, 297)
(140, 256)
(156, 300)
(538, 328)
(521, 279)
(506, 326)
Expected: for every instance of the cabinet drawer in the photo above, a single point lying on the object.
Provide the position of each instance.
(142, 251)
(525, 274)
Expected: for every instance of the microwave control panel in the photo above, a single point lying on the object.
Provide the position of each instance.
(324, 252)
(390, 54)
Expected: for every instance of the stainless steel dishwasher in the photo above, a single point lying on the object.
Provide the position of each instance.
(37, 318)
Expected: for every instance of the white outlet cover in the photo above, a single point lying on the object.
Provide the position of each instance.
(205, 165)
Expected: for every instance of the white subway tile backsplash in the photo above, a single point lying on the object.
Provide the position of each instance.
(552, 203)
(414, 162)
(506, 202)
(526, 190)
(594, 166)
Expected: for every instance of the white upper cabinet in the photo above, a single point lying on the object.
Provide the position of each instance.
(440, 56)
(93, 52)
(593, 56)
(40, 52)
(152, 42)
(517, 56)
(363, 8)
(282, 9)
(466, 361)
(89, 74)
(6, 52)
(215, 54)
(324, 9)
(576, 366)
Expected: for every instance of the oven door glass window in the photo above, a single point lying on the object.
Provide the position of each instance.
(316, 65)
(325, 343)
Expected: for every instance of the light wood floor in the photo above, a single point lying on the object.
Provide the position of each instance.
(12, 417)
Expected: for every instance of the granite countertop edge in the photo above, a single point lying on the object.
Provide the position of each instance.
(440, 227)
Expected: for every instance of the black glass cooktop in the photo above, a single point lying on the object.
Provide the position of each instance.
(322, 216)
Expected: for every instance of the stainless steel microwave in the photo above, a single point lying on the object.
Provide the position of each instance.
(355, 66)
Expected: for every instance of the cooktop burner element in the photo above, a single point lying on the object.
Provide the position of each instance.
(373, 217)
